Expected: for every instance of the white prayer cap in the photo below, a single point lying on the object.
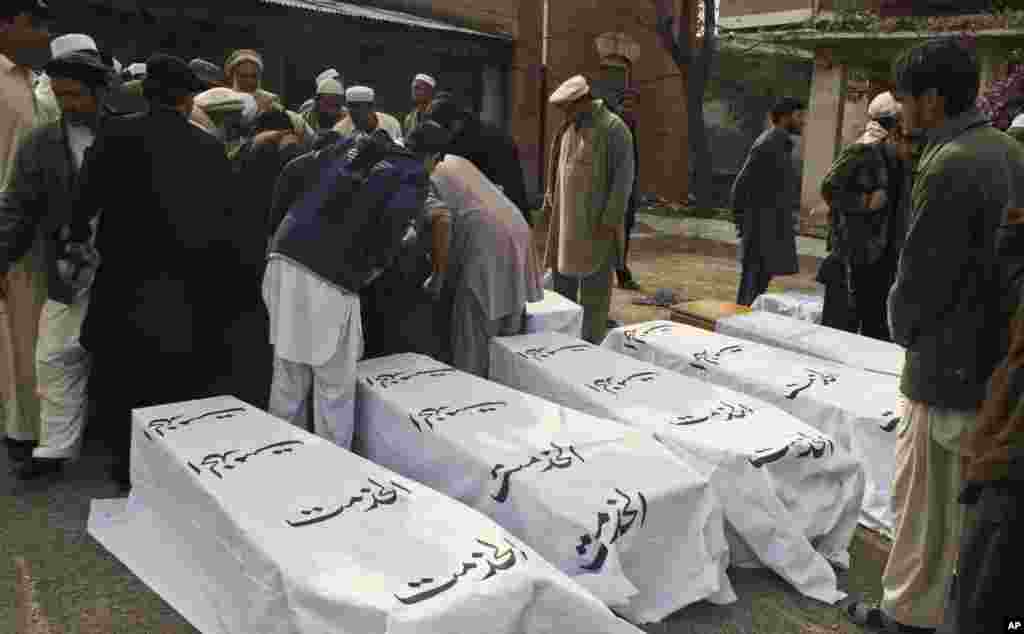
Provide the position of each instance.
(330, 73)
(573, 89)
(72, 43)
(220, 100)
(330, 87)
(884, 105)
(426, 79)
(360, 94)
(136, 70)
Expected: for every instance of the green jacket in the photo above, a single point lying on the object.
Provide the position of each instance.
(949, 305)
(607, 200)
(410, 122)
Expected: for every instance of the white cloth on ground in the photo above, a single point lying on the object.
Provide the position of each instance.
(804, 337)
(287, 533)
(791, 497)
(62, 374)
(465, 436)
(859, 409)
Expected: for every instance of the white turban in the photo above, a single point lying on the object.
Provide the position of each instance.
(426, 79)
(572, 90)
(360, 94)
(330, 87)
(884, 105)
(330, 73)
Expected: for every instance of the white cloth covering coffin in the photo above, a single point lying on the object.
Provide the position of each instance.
(802, 306)
(784, 485)
(861, 410)
(606, 504)
(815, 340)
(248, 525)
(554, 313)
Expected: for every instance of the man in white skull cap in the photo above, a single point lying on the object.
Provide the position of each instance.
(328, 106)
(589, 186)
(37, 202)
(364, 117)
(423, 86)
(865, 192)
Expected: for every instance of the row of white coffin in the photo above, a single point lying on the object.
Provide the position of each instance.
(640, 484)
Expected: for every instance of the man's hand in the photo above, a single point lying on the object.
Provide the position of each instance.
(822, 210)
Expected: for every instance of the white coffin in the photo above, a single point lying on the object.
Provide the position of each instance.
(802, 306)
(861, 410)
(248, 525)
(554, 313)
(783, 484)
(605, 504)
(839, 346)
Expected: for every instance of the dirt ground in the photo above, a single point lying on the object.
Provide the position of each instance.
(693, 269)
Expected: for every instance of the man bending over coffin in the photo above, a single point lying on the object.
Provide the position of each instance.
(348, 207)
(482, 253)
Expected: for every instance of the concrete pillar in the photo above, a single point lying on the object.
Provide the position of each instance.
(823, 132)
(526, 83)
(492, 107)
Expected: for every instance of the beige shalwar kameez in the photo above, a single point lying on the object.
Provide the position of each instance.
(26, 279)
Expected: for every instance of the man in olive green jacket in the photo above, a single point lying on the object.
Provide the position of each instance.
(589, 188)
(949, 310)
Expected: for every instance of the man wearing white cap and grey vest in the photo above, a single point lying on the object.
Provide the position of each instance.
(364, 117)
(589, 186)
(422, 94)
(37, 202)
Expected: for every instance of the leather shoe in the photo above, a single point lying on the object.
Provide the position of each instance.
(35, 468)
(19, 450)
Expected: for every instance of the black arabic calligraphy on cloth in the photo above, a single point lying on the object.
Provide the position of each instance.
(805, 445)
(543, 354)
(162, 426)
(390, 379)
(813, 376)
(723, 412)
(498, 561)
(429, 416)
(713, 358)
(625, 516)
(383, 496)
(614, 385)
(637, 336)
(230, 460)
(557, 458)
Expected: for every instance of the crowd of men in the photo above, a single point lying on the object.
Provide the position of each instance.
(172, 230)
(925, 210)
(166, 227)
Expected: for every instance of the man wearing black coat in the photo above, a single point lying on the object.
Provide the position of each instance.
(766, 197)
(485, 145)
(162, 297)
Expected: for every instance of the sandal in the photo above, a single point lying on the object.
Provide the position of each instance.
(875, 619)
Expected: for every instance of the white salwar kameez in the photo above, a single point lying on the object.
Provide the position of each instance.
(317, 334)
(62, 364)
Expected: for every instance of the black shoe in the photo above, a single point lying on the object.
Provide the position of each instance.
(121, 475)
(19, 451)
(35, 468)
